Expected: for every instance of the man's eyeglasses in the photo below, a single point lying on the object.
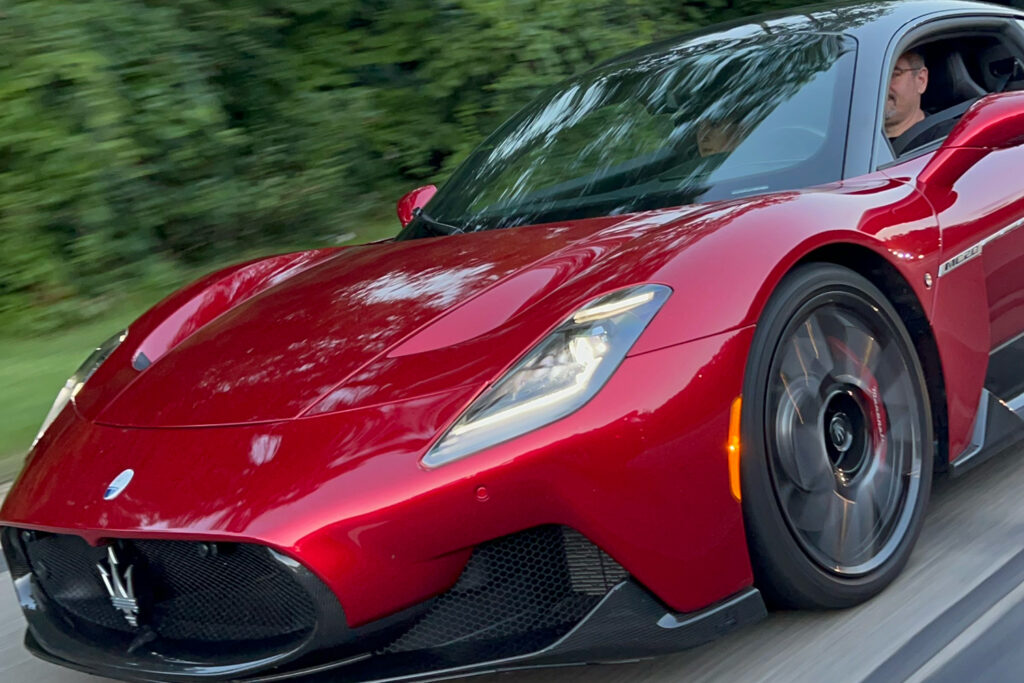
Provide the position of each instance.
(897, 71)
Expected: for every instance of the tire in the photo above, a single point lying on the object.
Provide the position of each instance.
(837, 441)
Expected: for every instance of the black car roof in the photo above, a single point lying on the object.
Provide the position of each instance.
(872, 23)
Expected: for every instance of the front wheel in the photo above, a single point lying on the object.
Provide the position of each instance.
(838, 445)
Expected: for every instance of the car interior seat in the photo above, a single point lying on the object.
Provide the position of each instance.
(1000, 70)
(949, 82)
(951, 92)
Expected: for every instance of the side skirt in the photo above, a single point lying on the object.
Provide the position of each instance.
(998, 427)
(999, 424)
(1005, 376)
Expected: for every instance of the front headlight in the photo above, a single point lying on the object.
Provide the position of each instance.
(557, 377)
(78, 380)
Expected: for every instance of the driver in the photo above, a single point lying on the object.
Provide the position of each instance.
(903, 105)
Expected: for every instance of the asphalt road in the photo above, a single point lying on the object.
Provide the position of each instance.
(956, 614)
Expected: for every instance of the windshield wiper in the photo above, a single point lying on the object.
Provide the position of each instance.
(435, 226)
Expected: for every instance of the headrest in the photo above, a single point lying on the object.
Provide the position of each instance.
(1000, 70)
(949, 83)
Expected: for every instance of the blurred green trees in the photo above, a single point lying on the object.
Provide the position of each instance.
(140, 135)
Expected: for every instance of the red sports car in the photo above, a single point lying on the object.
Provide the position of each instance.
(688, 334)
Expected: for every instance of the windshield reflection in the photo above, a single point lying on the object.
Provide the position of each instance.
(701, 121)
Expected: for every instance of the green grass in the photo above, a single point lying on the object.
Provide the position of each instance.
(33, 369)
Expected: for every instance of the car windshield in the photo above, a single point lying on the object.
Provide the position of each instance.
(694, 123)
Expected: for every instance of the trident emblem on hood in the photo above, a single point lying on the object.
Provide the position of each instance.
(121, 590)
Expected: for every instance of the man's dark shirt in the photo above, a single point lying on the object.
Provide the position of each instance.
(934, 127)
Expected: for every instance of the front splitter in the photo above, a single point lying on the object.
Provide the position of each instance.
(628, 624)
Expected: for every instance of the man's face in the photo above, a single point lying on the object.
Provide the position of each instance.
(905, 90)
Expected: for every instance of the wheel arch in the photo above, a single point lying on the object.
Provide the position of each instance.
(887, 278)
(786, 574)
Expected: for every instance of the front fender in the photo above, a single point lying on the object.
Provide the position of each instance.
(723, 280)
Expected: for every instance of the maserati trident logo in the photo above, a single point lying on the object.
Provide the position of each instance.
(842, 437)
(121, 588)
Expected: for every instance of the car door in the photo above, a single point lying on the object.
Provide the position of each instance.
(986, 223)
(977, 280)
(981, 216)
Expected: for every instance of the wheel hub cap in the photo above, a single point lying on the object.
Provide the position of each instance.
(841, 432)
(845, 433)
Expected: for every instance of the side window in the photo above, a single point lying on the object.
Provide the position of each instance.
(883, 151)
(937, 80)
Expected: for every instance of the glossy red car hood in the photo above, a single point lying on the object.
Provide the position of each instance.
(276, 355)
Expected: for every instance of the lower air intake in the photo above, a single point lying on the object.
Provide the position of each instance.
(516, 595)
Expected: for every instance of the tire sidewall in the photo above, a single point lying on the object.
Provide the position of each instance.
(785, 573)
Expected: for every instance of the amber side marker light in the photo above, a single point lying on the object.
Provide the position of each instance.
(734, 447)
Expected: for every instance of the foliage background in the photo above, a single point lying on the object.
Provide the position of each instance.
(145, 141)
(141, 140)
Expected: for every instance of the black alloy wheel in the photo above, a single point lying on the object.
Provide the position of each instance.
(838, 446)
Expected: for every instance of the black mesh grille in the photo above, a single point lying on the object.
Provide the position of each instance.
(65, 567)
(202, 602)
(516, 595)
(241, 593)
(188, 592)
(590, 569)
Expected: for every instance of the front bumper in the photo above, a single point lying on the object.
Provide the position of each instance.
(640, 471)
(542, 597)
